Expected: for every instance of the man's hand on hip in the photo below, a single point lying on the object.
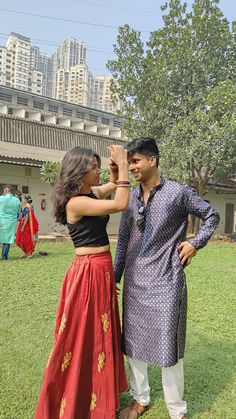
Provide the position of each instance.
(187, 252)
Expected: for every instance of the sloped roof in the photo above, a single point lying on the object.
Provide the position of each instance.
(226, 183)
(30, 155)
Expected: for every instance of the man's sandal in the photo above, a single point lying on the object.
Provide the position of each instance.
(136, 407)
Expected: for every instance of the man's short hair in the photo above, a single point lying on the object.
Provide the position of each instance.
(8, 187)
(143, 145)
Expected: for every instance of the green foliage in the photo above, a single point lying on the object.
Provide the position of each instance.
(105, 176)
(49, 172)
(168, 88)
(29, 295)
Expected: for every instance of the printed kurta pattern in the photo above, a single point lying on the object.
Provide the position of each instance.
(155, 294)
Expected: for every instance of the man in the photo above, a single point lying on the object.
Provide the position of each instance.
(152, 252)
(10, 207)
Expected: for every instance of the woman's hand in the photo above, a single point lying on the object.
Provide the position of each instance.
(118, 154)
(113, 171)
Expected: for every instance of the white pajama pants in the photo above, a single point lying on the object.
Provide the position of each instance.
(172, 382)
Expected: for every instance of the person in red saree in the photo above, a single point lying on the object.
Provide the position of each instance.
(26, 235)
(85, 372)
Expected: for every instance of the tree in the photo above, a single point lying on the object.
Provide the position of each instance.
(180, 88)
(49, 172)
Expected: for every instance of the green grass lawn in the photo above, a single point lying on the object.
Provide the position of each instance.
(28, 296)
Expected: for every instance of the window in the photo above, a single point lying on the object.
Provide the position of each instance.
(22, 101)
(38, 105)
(53, 108)
(67, 112)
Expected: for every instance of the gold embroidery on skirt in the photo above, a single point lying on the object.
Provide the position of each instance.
(62, 324)
(101, 361)
(66, 362)
(62, 408)
(105, 322)
(108, 275)
(93, 402)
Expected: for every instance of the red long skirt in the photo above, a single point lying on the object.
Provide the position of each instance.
(85, 371)
(24, 239)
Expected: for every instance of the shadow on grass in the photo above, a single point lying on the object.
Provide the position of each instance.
(209, 369)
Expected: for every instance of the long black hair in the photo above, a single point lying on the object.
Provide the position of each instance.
(76, 163)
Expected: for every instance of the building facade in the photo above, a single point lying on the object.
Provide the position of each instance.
(64, 76)
(19, 65)
(75, 85)
(70, 53)
(102, 95)
(6, 62)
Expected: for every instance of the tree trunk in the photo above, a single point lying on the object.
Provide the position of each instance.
(201, 192)
(191, 219)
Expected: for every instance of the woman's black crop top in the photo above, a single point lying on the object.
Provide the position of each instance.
(89, 231)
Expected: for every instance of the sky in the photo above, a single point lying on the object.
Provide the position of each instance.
(94, 22)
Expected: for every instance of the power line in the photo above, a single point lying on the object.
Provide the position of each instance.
(113, 7)
(60, 19)
(56, 44)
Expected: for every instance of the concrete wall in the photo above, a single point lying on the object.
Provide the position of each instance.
(16, 175)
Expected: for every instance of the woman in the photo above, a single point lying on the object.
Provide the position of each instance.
(85, 371)
(26, 235)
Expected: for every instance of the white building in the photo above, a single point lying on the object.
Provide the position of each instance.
(102, 96)
(20, 47)
(75, 85)
(19, 65)
(5, 66)
(70, 53)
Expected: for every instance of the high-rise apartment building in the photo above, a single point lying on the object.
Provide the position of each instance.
(64, 76)
(68, 54)
(42, 63)
(102, 95)
(6, 61)
(75, 85)
(20, 48)
(19, 64)
(45, 66)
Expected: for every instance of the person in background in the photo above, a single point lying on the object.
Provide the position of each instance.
(18, 194)
(26, 235)
(152, 251)
(10, 207)
(85, 371)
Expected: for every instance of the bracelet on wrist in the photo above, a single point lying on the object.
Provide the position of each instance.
(123, 186)
(123, 182)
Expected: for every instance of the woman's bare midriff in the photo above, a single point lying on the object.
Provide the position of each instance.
(82, 251)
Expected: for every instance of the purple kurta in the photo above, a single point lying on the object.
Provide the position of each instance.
(155, 295)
